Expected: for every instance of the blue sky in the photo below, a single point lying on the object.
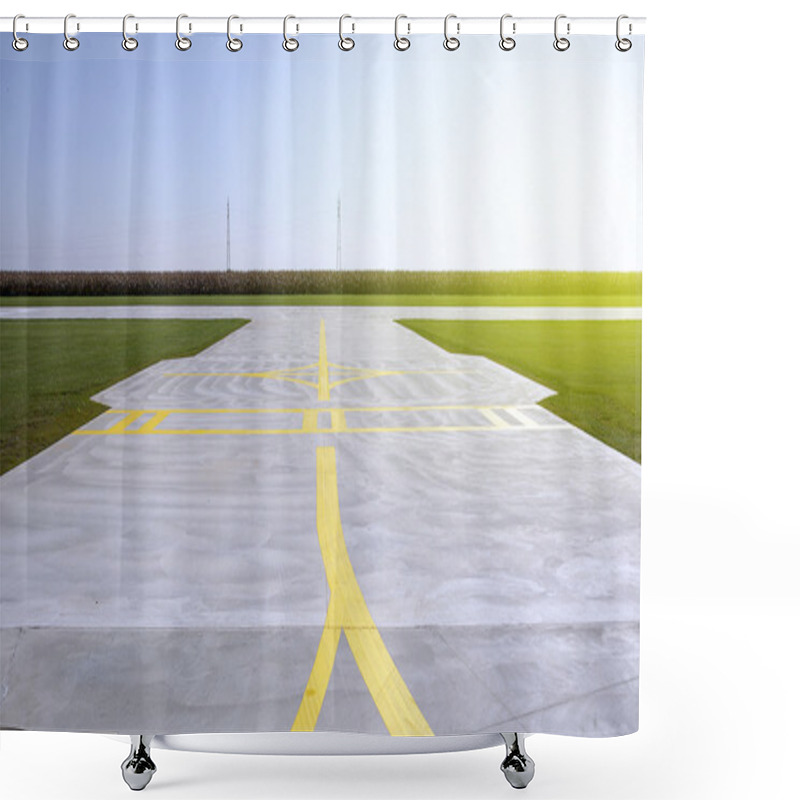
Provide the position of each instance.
(476, 159)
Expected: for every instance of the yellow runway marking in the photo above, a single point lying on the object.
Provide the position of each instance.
(317, 686)
(338, 421)
(321, 370)
(348, 612)
(347, 608)
(309, 422)
(153, 422)
(129, 418)
(494, 418)
(526, 421)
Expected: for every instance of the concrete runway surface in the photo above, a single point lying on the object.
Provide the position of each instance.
(322, 522)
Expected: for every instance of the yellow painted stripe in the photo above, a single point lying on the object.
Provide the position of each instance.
(394, 701)
(323, 384)
(310, 421)
(211, 432)
(299, 432)
(381, 373)
(526, 421)
(362, 378)
(494, 418)
(348, 610)
(129, 418)
(322, 369)
(308, 430)
(297, 380)
(153, 422)
(317, 686)
(338, 421)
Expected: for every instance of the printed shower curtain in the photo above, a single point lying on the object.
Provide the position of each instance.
(320, 385)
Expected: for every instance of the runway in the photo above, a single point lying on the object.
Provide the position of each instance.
(322, 522)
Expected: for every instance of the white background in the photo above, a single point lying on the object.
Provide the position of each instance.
(720, 604)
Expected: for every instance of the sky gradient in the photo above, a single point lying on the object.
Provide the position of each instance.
(473, 159)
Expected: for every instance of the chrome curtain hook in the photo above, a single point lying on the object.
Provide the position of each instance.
(345, 42)
(623, 45)
(561, 43)
(70, 42)
(181, 42)
(18, 43)
(128, 42)
(234, 45)
(401, 42)
(451, 42)
(290, 45)
(506, 42)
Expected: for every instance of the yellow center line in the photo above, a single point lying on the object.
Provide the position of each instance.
(317, 686)
(347, 611)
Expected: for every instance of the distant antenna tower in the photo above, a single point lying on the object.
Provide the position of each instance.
(228, 248)
(339, 232)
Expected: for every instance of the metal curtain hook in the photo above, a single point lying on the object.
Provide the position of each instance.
(345, 42)
(128, 42)
(400, 42)
(451, 42)
(623, 45)
(70, 42)
(181, 42)
(18, 43)
(506, 42)
(290, 45)
(561, 43)
(234, 45)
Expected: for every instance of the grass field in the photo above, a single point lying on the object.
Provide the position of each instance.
(323, 287)
(50, 369)
(593, 365)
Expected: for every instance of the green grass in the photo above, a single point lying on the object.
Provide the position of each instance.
(50, 368)
(622, 300)
(594, 366)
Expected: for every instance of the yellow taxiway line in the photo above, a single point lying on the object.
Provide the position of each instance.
(348, 612)
(321, 370)
(309, 422)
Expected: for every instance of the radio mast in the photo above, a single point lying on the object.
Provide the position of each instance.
(228, 247)
(338, 232)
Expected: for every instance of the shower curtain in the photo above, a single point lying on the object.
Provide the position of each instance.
(320, 384)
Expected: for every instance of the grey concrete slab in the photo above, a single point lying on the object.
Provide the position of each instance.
(165, 680)
(174, 582)
(567, 671)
